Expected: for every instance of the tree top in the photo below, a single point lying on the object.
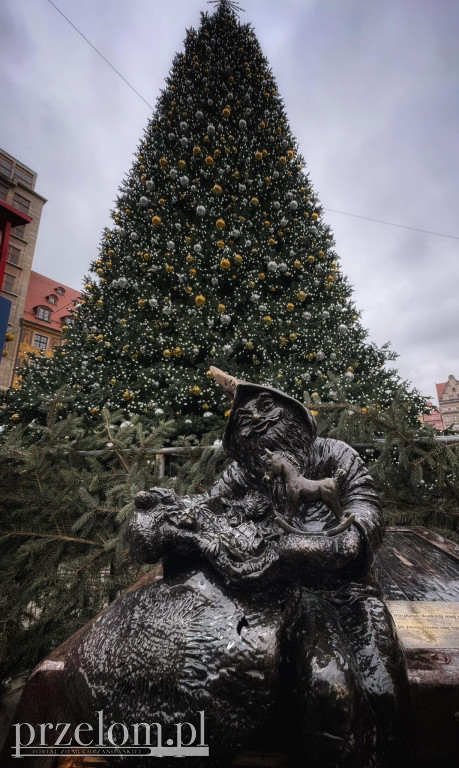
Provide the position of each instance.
(227, 5)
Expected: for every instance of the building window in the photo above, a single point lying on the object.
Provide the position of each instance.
(60, 290)
(18, 231)
(23, 176)
(13, 254)
(8, 284)
(43, 313)
(6, 165)
(40, 341)
(68, 320)
(52, 299)
(21, 203)
(3, 191)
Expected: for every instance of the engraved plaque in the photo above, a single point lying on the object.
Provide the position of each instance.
(426, 625)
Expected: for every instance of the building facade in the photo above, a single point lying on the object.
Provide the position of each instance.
(47, 312)
(17, 194)
(448, 399)
(433, 418)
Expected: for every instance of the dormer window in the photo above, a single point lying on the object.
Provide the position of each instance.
(60, 290)
(68, 320)
(42, 313)
(52, 299)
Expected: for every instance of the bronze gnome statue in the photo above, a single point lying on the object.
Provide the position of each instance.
(268, 615)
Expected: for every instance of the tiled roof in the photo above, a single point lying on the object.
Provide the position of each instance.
(440, 389)
(40, 287)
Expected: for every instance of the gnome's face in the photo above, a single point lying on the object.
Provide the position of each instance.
(259, 416)
(265, 421)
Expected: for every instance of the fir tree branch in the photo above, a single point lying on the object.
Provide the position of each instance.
(368, 415)
(56, 537)
(37, 477)
(110, 437)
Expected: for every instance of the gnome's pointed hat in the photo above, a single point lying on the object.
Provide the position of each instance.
(241, 391)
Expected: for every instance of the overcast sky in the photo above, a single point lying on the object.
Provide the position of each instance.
(371, 88)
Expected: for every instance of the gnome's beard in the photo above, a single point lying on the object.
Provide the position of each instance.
(287, 435)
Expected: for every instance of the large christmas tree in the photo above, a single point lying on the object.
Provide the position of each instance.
(218, 255)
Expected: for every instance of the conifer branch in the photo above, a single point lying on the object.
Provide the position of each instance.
(110, 437)
(56, 537)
